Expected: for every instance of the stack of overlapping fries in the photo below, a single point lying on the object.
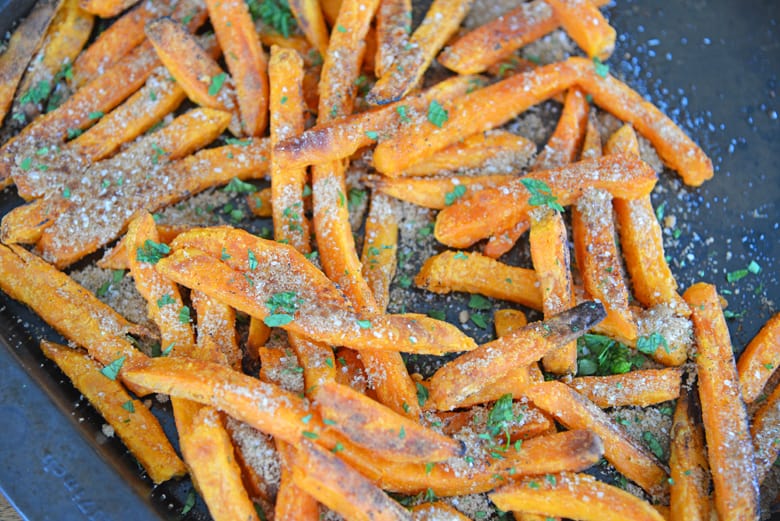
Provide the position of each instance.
(107, 131)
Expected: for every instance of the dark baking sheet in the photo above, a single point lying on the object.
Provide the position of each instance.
(712, 65)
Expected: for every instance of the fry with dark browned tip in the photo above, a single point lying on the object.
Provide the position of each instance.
(690, 486)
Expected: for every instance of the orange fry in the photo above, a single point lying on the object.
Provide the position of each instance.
(393, 26)
(730, 447)
(638, 388)
(135, 425)
(766, 433)
(21, 48)
(292, 502)
(591, 144)
(576, 412)
(475, 273)
(577, 496)
(503, 241)
(25, 224)
(260, 202)
(586, 25)
(106, 8)
(598, 261)
(245, 60)
(690, 498)
(217, 339)
(494, 210)
(435, 192)
(436, 511)
(311, 21)
(471, 372)
(565, 143)
(379, 248)
(759, 360)
(412, 60)
(116, 257)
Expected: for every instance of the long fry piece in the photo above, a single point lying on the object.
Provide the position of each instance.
(379, 249)
(435, 192)
(637, 388)
(689, 498)
(135, 425)
(730, 447)
(411, 61)
(765, 430)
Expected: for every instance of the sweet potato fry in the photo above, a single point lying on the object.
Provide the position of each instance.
(245, 60)
(550, 256)
(25, 224)
(730, 448)
(586, 25)
(379, 248)
(317, 361)
(411, 61)
(342, 489)
(369, 423)
(576, 412)
(342, 137)
(481, 110)
(197, 73)
(508, 320)
(135, 425)
(591, 144)
(66, 36)
(435, 512)
(688, 463)
(765, 430)
(759, 360)
(292, 502)
(502, 242)
(287, 120)
(475, 273)
(217, 340)
(577, 496)
(116, 257)
(393, 27)
(494, 210)
(435, 192)
(565, 143)
(296, 290)
(470, 372)
(260, 202)
(106, 8)
(488, 44)
(497, 151)
(528, 421)
(350, 371)
(312, 22)
(598, 261)
(638, 388)
(22, 46)
(126, 33)
(67, 307)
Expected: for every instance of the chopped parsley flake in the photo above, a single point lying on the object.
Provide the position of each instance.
(601, 68)
(436, 114)
(364, 324)
(541, 194)
(95, 115)
(252, 260)
(457, 192)
(151, 252)
(112, 370)
(238, 186)
(216, 83)
(649, 344)
(184, 315)
(422, 394)
(479, 302)
(128, 406)
(401, 109)
(282, 306)
(371, 134)
(165, 300)
(310, 435)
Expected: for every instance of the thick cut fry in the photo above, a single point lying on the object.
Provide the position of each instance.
(576, 496)
(197, 73)
(342, 489)
(471, 372)
(312, 22)
(135, 425)
(344, 136)
(379, 248)
(126, 33)
(766, 434)
(494, 210)
(497, 152)
(475, 273)
(559, 452)
(565, 143)
(245, 60)
(690, 475)
(21, 48)
(550, 256)
(488, 44)
(586, 25)
(287, 120)
(598, 261)
(311, 306)
(393, 26)
(483, 109)
(367, 422)
(70, 309)
(106, 8)
(729, 446)
(411, 61)
(435, 192)
(576, 412)
(638, 388)
(759, 360)
(504, 241)
(66, 36)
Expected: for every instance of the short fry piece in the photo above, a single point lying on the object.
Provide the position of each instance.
(690, 475)
(577, 412)
(138, 429)
(471, 372)
(638, 388)
(342, 489)
(759, 359)
(586, 25)
(371, 424)
(501, 242)
(508, 320)
(410, 62)
(435, 192)
(730, 447)
(577, 496)
(475, 273)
